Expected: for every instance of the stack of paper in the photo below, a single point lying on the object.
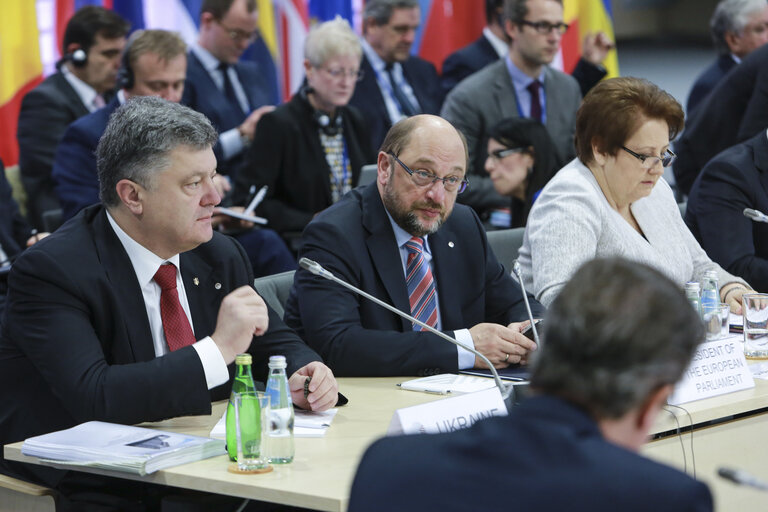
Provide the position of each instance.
(121, 447)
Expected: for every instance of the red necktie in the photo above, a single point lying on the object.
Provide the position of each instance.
(178, 332)
(533, 87)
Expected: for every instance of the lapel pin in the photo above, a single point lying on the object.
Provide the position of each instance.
(196, 281)
(217, 286)
(450, 244)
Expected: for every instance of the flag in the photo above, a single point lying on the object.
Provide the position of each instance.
(448, 25)
(22, 69)
(583, 17)
(292, 28)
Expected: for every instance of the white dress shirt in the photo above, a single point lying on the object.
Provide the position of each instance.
(145, 264)
(86, 93)
(466, 358)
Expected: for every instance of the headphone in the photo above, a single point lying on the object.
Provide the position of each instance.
(330, 126)
(125, 77)
(78, 58)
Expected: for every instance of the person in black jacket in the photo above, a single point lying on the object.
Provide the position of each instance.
(309, 151)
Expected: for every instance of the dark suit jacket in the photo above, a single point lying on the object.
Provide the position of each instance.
(74, 166)
(46, 111)
(735, 179)
(201, 94)
(734, 111)
(287, 156)
(547, 455)
(14, 228)
(368, 99)
(707, 81)
(478, 54)
(77, 346)
(354, 240)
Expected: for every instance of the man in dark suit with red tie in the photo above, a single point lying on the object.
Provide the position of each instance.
(134, 311)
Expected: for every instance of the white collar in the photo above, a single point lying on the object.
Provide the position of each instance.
(500, 45)
(86, 93)
(145, 262)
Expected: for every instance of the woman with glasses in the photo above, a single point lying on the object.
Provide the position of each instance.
(309, 151)
(520, 162)
(612, 201)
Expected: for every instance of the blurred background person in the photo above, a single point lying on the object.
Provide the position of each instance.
(86, 76)
(737, 28)
(616, 341)
(612, 200)
(520, 162)
(735, 179)
(309, 151)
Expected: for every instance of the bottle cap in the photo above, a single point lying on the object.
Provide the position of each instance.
(243, 359)
(277, 362)
(692, 285)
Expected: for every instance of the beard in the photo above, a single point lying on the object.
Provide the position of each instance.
(405, 216)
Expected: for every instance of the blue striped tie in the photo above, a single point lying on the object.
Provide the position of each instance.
(421, 285)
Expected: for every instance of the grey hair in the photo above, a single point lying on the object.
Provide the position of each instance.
(139, 139)
(731, 16)
(331, 39)
(618, 331)
(381, 10)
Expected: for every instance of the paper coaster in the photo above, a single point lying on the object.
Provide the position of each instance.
(234, 469)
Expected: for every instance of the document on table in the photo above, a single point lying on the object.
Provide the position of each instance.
(448, 383)
(306, 424)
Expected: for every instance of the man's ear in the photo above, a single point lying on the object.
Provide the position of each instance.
(384, 170)
(733, 41)
(650, 408)
(131, 194)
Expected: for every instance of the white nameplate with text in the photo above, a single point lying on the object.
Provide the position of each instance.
(718, 367)
(447, 415)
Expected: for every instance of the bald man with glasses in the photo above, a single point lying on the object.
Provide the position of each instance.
(404, 240)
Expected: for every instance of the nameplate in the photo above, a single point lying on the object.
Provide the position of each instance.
(718, 367)
(447, 415)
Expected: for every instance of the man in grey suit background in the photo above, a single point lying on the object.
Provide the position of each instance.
(520, 85)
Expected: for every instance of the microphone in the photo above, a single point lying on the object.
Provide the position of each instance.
(755, 215)
(318, 270)
(741, 477)
(519, 273)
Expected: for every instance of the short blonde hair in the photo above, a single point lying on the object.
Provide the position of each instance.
(331, 39)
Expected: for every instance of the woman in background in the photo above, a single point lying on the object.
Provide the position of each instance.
(520, 162)
(309, 151)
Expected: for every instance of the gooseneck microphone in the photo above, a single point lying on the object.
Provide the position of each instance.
(519, 273)
(755, 215)
(317, 269)
(741, 477)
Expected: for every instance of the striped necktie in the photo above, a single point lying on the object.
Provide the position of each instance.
(420, 284)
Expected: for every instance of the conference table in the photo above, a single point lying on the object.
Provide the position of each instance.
(727, 430)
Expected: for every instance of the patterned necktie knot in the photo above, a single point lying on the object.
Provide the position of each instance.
(165, 277)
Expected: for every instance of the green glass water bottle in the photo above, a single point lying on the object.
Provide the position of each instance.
(249, 412)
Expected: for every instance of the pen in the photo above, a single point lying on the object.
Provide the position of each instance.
(258, 198)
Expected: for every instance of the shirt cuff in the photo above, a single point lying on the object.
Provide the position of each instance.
(214, 366)
(466, 358)
(231, 143)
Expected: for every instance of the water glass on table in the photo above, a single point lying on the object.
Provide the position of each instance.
(755, 309)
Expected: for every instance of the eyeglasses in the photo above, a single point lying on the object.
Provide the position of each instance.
(344, 73)
(545, 27)
(504, 153)
(422, 178)
(238, 35)
(649, 162)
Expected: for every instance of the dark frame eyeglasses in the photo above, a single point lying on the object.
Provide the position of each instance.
(504, 153)
(649, 162)
(237, 35)
(545, 27)
(422, 178)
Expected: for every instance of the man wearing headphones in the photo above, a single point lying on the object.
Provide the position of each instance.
(93, 41)
(154, 63)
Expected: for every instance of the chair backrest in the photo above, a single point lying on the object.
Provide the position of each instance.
(275, 290)
(367, 174)
(506, 244)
